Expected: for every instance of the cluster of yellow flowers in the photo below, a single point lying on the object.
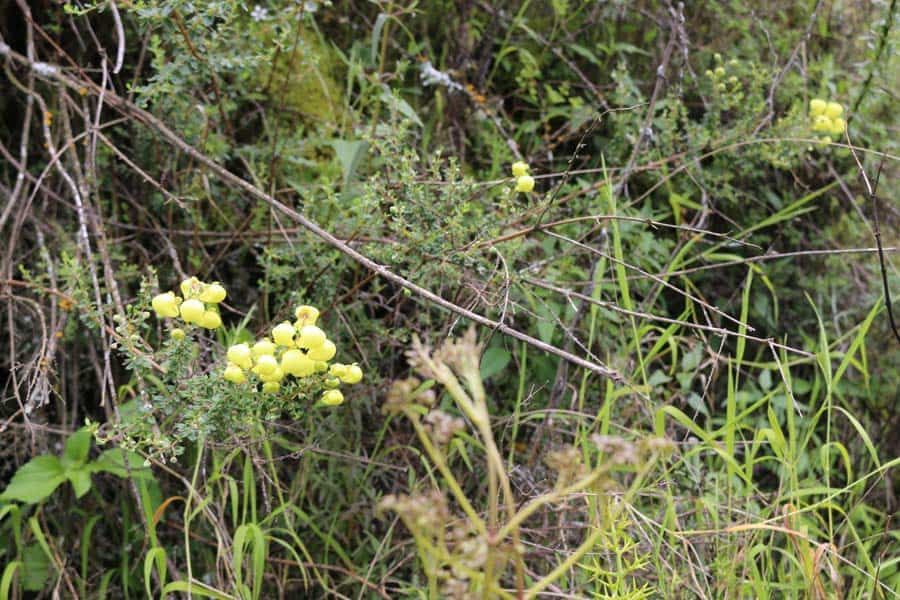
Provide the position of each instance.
(524, 181)
(299, 349)
(826, 118)
(718, 75)
(199, 306)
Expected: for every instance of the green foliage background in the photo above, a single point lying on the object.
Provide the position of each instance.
(664, 188)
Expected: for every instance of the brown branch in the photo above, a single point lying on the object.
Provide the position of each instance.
(227, 176)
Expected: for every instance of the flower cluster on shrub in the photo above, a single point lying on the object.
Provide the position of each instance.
(826, 118)
(300, 349)
(524, 181)
(199, 305)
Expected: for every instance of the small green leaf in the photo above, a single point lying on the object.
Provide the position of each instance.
(77, 447)
(35, 480)
(547, 323)
(110, 461)
(494, 361)
(80, 479)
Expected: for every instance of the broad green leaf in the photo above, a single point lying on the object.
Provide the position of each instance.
(349, 154)
(35, 480)
(35, 568)
(493, 361)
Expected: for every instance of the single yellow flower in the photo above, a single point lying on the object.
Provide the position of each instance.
(165, 305)
(263, 348)
(821, 123)
(817, 107)
(838, 126)
(324, 352)
(271, 387)
(276, 375)
(353, 374)
(525, 183)
(240, 355)
(192, 311)
(297, 364)
(338, 370)
(834, 110)
(234, 374)
(283, 334)
(213, 293)
(265, 365)
(519, 168)
(332, 398)
(311, 337)
(210, 320)
(190, 287)
(306, 315)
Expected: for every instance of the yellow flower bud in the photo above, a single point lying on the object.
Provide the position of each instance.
(320, 366)
(234, 374)
(306, 315)
(271, 387)
(265, 365)
(324, 352)
(311, 337)
(332, 383)
(165, 305)
(177, 334)
(297, 364)
(283, 334)
(525, 183)
(192, 311)
(332, 398)
(720, 71)
(519, 168)
(210, 320)
(263, 348)
(240, 355)
(353, 374)
(817, 107)
(213, 293)
(833, 110)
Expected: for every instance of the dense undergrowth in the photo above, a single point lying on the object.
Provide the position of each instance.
(666, 371)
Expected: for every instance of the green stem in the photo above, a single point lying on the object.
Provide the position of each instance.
(437, 458)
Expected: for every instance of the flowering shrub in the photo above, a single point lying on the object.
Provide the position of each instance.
(261, 380)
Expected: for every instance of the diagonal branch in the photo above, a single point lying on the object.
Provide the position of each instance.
(121, 104)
